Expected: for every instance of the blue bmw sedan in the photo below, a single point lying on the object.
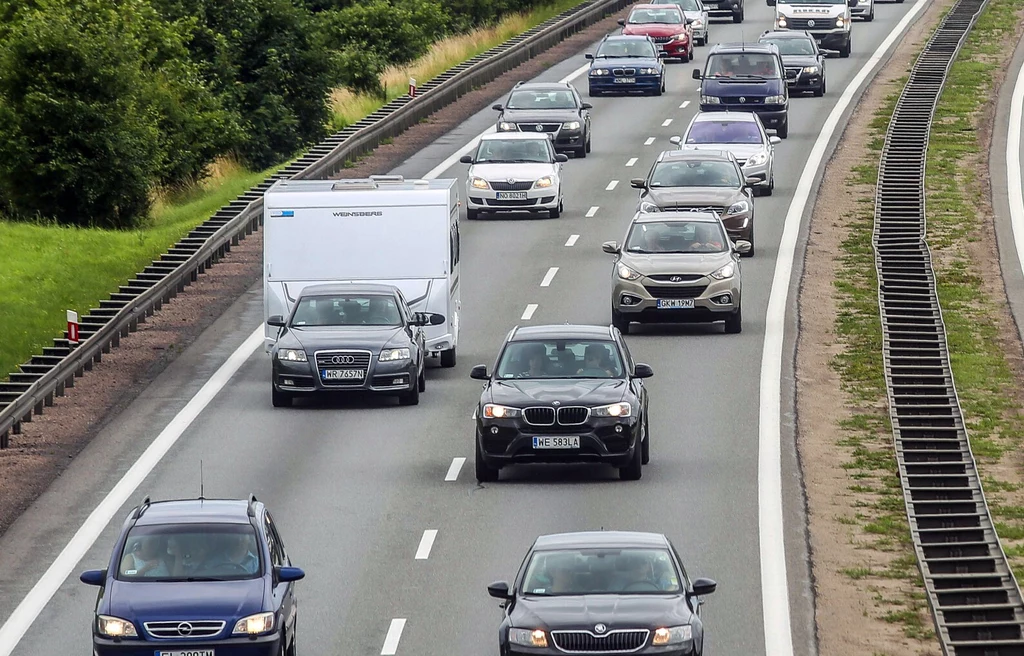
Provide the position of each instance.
(626, 63)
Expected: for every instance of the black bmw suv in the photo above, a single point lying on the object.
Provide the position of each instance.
(562, 393)
(554, 108)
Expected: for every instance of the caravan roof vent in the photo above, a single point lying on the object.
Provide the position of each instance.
(387, 178)
(421, 183)
(353, 184)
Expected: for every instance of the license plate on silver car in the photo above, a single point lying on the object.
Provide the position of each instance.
(675, 303)
(343, 374)
(625, 80)
(187, 652)
(556, 442)
(511, 195)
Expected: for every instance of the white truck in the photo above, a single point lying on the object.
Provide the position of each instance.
(830, 22)
(383, 229)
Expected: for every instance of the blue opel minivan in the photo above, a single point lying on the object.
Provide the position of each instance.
(746, 77)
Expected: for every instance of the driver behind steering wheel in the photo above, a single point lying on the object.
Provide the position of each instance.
(636, 574)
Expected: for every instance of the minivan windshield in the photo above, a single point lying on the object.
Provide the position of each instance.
(676, 237)
(794, 46)
(627, 48)
(190, 552)
(666, 16)
(695, 173)
(568, 572)
(756, 65)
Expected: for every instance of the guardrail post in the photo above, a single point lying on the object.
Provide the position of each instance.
(115, 341)
(16, 428)
(4, 443)
(59, 391)
(70, 381)
(48, 401)
(38, 409)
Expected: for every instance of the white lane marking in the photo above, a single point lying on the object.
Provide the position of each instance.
(548, 277)
(35, 601)
(452, 159)
(571, 241)
(685, 103)
(426, 542)
(778, 635)
(473, 416)
(631, 162)
(456, 466)
(1014, 181)
(667, 122)
(649, 141)
(528, 312)
(611, 185)
(592, 211)
(394, 635)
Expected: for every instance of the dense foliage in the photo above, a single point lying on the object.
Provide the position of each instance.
(103, 101)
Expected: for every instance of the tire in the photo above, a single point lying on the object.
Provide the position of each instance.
(293, 650)
(472, 215)
(820, 91)
(588, 142)
(448, 358)
(734, 322)
(281, 399)
(770, 189)
(660, 90)
(484, 473)
(556, 212)
(634, 470)
(870, 17)
(845, 51)
(580, 152)
(784, 130)
(738, 18)
(620, 322)
(421, 382)
(645, 456)
(411, 397)
(750, 253)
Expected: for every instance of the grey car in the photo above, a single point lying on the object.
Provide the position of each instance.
(743, 135)
(676, 267)
(701, 180)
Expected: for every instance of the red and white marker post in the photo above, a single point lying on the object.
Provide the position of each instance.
(412, 87)
(72, 326)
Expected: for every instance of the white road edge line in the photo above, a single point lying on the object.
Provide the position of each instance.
(1014, 180)
(390, 647)
(649, 141)
(571, 241)
(685, 103)
(667, 122)
(611, 185)
(528, 312)
(631, 162)
(548, 277)
(778, 631)
(456, 466)
(426, 543)
(14, 629)
(592, 211)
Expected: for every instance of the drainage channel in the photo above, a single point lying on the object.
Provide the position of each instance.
(974, 597)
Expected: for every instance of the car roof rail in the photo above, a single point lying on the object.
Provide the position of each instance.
(141, 508)
(251, 511)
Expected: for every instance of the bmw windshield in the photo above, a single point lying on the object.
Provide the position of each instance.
(560, 358)
(624, 48)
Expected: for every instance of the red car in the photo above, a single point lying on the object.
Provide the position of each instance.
(666, 25)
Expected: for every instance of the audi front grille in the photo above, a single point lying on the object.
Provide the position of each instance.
(189, 629)
(573, 415)
(344, 359)
(540, 416)
(621, 641)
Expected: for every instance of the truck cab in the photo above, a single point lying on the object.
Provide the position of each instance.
(746, 77)
(830, 22)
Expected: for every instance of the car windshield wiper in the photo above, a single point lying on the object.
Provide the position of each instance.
(637, 249)
(194, 579)
(750, 76)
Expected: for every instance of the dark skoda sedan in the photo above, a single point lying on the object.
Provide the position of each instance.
(563, 393)
(602, 592)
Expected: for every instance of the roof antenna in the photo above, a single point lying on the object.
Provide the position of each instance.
(201, 497)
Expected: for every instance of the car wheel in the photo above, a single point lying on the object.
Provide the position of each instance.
(448, 358)
(845, 51)
(634, 470)
(784, 130)
(646, 448)
(734, 322)
(820, 91)
(770, 189)
(422, 382)
(292, 649)
(588, 142)
(871, 16)
(412, 397)
(484, 472)
(472, 214)
(281, 399)
(580, 152)
(620, 322)
(738, 18)
(556, 212)
(660, 90)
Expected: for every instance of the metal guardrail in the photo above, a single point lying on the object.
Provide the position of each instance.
(975, 600)
(46, 375)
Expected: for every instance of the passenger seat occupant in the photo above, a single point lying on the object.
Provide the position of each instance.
(146, 558)
(537, 361)
(594, 358)
(383, 312)
(707, 239)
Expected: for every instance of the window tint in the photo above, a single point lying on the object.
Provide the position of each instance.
(676, 237)
(278, 556)
(538, 99)
(346, 310)
(173, 552)
(749, 64)
(513, 150)
(695, 173)
(601, 571)
(560, 359)
(727, 132)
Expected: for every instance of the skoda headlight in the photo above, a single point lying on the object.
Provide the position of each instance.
(571, 125)
(710, 100)
(812, 70)
(725, 272)
(478, 183)
(613, 410)
(757, 159)
(673, 635)
(647, 207)
(626, 273)
(840, 22)
(115, 627)
(780, 22)
(528, 637)
(505, 126)
(495, 411)
(255, 624)
(738, 208)
(544, 182)
(775, 100)
(394, 354)
(291, 355)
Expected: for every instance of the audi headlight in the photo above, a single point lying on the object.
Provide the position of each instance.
(775, 100)
(571, 125)
(780, 22)
(812, 70)
(600, 71)
(478, 183)
(115, 627)
(738, 208)
(757, 159)
(495, 411)
(710, 100)
(613, 410)
(840, 22)
(505, 126)
(648, 207)
(673, 635)
(394, 354)
(544, 182)
(291, 355)
(255, 624)
(528, 637)
(626, 273)
(725, 272)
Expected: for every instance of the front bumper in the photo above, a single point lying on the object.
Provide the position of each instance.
(707, 294)
(804, 81)
(719, 8)
(862, 9)
(259, 646)
(609, 440)
(761, 172)
(305, 378)
(677, 48)
(608, 83)
(486, 200)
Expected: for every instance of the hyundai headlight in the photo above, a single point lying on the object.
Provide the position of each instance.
(478, 183)
(775, 100)
(757, 159)
(495, 411)
(292, 355)
(600, 71)
(626, 273)
(254, 624)
(571, 125)
(673, 635)
(115, 627)
(738, 208)
(544, 182)
(710, 100)
(505, 126)
(528, 637)
(840, 22)
(394, 354)
(812, 70)
(613, 410)
(648, 207)
(725, 272)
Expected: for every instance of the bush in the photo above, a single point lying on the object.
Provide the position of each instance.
(396, 32)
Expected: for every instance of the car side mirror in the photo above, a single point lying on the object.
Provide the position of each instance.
(93, 577)
(288, 574)
(852, 3)
(773, 140)
(561, 157)
(589, 55)
(466, 159)
(498, 107)
(587, 105)
(622, 21)
(418, 319)
(742, 246)
(499, 590)
(662, 54)
(610, 247)
(751, 181)
(638, 183)
(703, 587)
(479, 372)
(696, 74)
(675, 140)
(642, 370)
(435, 319)
(276, 320)
(689, 21)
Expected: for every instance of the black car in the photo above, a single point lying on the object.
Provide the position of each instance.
(345, 337)
(554, 108)
(602, 592)
(803, 60)
(563, 393)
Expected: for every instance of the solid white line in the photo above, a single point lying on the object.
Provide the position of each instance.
(426, 542)
(394, 635)
(685, 103)
(456, 466)
(592, 211)
(1014, 180)
(548, 277)
(35, 601)
(611, 185)
(528, 312)
(631, 162)
(571, 241)
(667, 122)
(778, 636)
(649, 141)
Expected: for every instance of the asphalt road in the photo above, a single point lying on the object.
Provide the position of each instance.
(355, 485)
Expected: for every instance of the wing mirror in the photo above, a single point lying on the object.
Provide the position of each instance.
(587, 105)
(696, 74)
(662, 54)
(829, 53)
(276, 320)
(750, 182)
(742, 246)
(93, 577)
(622, 21)
(589, 55)
(498, 107)
(851, 3)
(466, 159)
(499, 590)
(642, 370)
(610, 247)
(677, 140)
(561, 157)
(703, 587)
(638, 183)
(479, 372)
(773, 140)
(288, 574)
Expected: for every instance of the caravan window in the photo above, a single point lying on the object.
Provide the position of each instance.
(346, 310)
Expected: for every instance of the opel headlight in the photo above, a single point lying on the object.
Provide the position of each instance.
(546, 181)
(115, 627)
(780, 22)
(812, 70)
(478, 183)
(672, 635)
(725, 272)
(291, 355)
(710, 100)
(757, 159)
(613, 410)
(738, 208)
(626, 273)
(505, 126)
(528, 637)
(571, 125)
(255, 624)
(495, 411)
(394, 354)
(775, 100)
(648, 207)
(840, 22)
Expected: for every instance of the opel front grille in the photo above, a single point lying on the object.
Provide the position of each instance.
(540, 416)
(619, 641)
(189, 629)
(573, 415)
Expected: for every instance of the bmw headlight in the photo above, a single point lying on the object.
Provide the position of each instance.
(840, 22)
(528, 637)
(648, 207)
(571, 125)
(613, 410)
(600, 71)
(544, 182)
(775, 100)
(780, 22)
(724, 273)
(672, 635)
(757, 159)
(812, 70)
(504, 126)
(738, 208)
(292, 355)
(394, 354)
(478, 183)
(254, 624)
(115, 627)
(710, 100)
(495, 411)
(626, 273)
(648, 71)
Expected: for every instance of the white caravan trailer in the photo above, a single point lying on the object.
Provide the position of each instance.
(383, 229)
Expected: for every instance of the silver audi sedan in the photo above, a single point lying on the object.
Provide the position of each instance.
(743, 135)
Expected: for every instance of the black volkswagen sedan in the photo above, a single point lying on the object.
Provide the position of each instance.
(602, 592)
(554, 108)
(562, 393)
(345, 337)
